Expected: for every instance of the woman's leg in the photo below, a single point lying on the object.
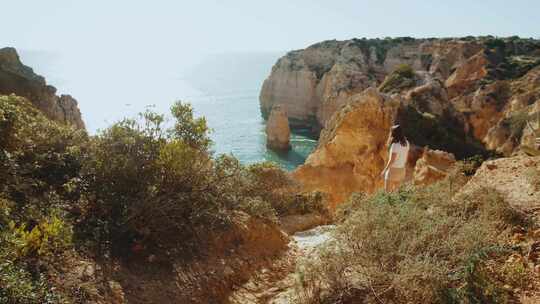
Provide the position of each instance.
(393, 179)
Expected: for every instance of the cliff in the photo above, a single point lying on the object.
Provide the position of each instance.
(468, 96)
(18, 79)
(317, 81)
(353, 148)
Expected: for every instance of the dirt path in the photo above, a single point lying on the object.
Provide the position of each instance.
(275, 285)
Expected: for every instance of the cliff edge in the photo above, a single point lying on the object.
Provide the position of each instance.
(18, 79)
(465, 96)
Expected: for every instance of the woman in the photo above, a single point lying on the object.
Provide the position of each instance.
(395, 170)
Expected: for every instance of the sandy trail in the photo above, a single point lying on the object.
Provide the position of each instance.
(275, 285)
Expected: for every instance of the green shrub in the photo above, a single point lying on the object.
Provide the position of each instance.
(137, 182)
(50, 236)
(162, 187)
(402, 77)
(470, 164)
(277, 187)
(19, 286)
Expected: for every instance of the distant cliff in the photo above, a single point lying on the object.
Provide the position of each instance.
(315, 82)
(16, 78)
(467, 96)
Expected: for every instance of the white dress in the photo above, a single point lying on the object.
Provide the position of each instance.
(396, 171)
(401, 151)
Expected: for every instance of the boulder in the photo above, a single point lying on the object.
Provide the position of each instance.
(433, 166)
(277, 130)
(517, 178)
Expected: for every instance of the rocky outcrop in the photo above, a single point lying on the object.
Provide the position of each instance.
(351, 151)
(516, 178)
(16, 78)
(231, 257)
(467, 74)
(353, 147)
(433, 166)
(316, 82)
(498, 114)
(277, 130)
(460, 96)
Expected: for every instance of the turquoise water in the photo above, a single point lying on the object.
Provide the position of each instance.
(238, 129)
(227, 90)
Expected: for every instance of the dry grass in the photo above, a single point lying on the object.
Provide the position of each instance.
(414, 246)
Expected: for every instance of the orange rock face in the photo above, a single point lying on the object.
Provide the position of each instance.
(315, 82)
(467, 74)
(434, 165)
(352, 150)
(469, 96)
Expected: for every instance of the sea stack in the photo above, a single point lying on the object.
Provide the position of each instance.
(278, 131)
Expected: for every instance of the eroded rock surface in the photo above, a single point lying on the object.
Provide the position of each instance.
(517, 178)
(433, 166)
(16, 78)
(351, 151)
(471, 73)
(465, 96)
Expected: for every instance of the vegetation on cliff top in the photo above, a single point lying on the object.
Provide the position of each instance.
(401, 78)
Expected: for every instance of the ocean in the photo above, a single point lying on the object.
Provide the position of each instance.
(229, 87)
(224, 88)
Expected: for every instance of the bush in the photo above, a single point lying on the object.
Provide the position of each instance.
(45, 239)
(162, 188)
(276, 186)
(137, 184)
(401, 78)
(39, 185)
(413, 246)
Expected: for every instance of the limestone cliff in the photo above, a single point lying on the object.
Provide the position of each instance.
(351, 151)
(353, 147)
(277, 130)
(317, 81)
(464, 96)
(16, 78)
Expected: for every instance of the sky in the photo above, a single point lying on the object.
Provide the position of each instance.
(104, 52)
